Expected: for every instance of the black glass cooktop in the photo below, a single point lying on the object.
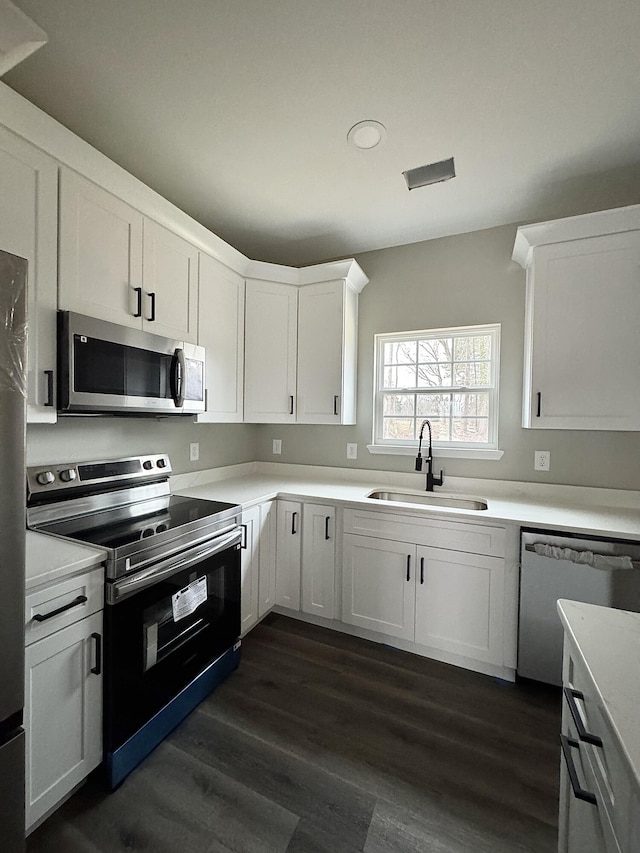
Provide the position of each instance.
(117, 527)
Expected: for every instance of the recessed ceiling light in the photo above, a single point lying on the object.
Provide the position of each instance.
(367, 134)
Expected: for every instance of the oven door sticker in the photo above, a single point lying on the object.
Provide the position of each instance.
(189, 599)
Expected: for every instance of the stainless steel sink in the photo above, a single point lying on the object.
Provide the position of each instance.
(430, 499)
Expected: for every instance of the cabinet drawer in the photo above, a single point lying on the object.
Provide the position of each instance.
(606, 763)
(62, 604)
(453, 535)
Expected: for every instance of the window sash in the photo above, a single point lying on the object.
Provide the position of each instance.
(490, 389)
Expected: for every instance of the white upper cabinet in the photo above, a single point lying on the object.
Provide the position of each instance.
(300, 344)
(271, 334)
(582, 348)
(170, 284)
(29, 228)
(119, 266)
(327, 344)
(100, 253)
(221, 333)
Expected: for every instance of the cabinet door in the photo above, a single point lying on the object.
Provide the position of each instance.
(63, 714)
(319, 560)
(100, 253)
(321, 354)
(29, 228)
(250, 567)
(267, 537)
(584, 316)
(221, 333)
(170, 283)
(288, 554)
(460, 603)
(378, 585)
(270, 352)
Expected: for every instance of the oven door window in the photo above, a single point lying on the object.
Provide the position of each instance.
(161, 638)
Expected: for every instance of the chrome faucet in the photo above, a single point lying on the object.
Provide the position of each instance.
(431, 480)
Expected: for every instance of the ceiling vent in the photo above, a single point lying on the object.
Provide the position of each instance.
(433, 173)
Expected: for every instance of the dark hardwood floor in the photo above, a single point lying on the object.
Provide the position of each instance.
(324, 742)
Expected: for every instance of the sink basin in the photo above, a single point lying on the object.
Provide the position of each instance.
(430, 499)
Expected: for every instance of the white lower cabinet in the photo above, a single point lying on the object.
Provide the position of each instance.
(258, 563)
(319, 560)
(288, 554)
(378, 589)
(63, 689)
(63, 713)
(306, 558)
(447, 600)
(460, 603)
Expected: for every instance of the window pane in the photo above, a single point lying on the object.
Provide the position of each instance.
(470, 429)
(399, 404)
(472, 348)
(439, 430)
(470, 405)
(398, 428)
(433, 405)
(403, 352)
(436, 349)
(434, 375)
(472, 373)
(400, 377)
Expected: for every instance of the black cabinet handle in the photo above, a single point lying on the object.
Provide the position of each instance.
(294, 518)
(326, 526)
(290, 404)
(243, 543)
(571, 695)
(152, 298)
(578, 792)
(138, 292)
(336, 400)
(42, 617)
(97, 669)
(49, 375)
(408, 567)
(421, 569)
(539, 396)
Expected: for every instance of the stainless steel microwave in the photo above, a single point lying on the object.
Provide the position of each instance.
(104, 368)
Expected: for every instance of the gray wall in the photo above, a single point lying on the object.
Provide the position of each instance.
(78, 439)
(455, 281)
(462, 280)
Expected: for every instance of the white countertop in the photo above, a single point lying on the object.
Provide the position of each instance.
(608, 641)
(49, 558)
(561, 508)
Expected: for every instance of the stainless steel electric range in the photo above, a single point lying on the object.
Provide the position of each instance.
(172, 614)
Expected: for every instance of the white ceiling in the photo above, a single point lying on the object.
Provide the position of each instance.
(238, 110)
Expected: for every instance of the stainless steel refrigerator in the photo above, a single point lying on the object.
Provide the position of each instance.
(13, 392)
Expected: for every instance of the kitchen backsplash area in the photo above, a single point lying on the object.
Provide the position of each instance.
(85, 438)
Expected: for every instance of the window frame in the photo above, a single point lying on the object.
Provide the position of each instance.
(479, 450)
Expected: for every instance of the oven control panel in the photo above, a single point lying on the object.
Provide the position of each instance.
(43, 479)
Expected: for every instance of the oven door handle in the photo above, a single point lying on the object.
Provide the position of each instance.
(120, 590)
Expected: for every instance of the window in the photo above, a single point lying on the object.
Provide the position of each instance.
(448, 376)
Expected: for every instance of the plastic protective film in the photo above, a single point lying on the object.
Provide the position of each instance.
(13, 331)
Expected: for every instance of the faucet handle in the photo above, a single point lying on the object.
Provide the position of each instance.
(437, 481)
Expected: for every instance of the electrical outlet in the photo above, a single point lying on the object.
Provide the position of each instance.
(352, 451)
(541, 460)
(194, 451)
(277, 445)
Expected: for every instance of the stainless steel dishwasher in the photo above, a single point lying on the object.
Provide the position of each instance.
(562, 565)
